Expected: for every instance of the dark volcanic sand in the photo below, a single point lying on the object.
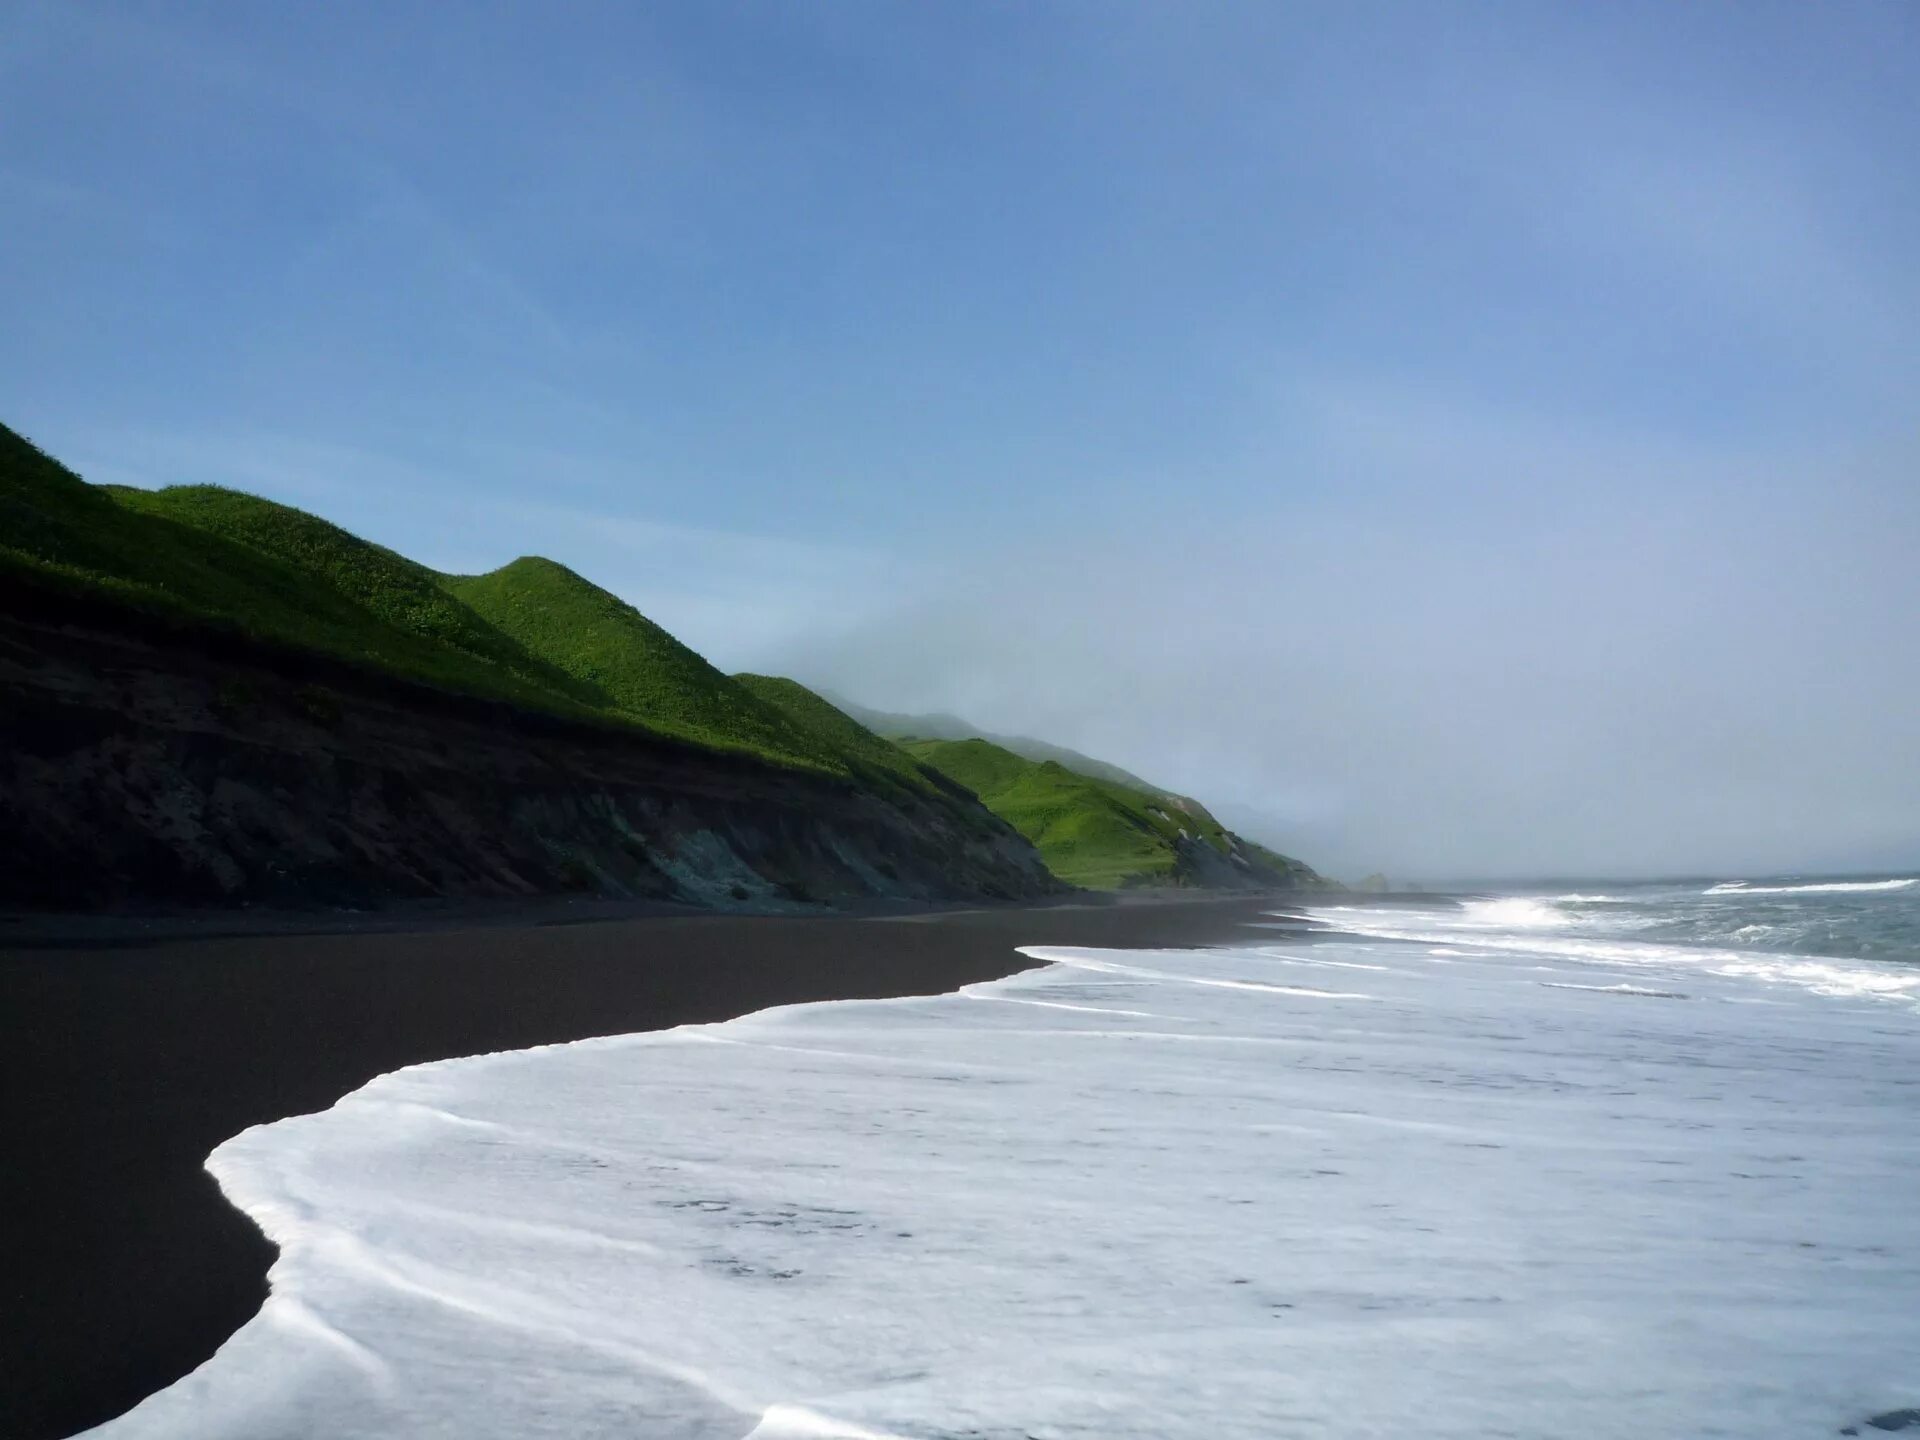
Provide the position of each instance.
(121, 1266)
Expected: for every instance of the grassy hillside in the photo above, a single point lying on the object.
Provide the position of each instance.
(830, 728)
(398, 593)
(881, 763)
(532, 633)
(600, 640)
(59, 533)
(1090, 832)
(1097, 833)
(941, 726)
(1123, 798)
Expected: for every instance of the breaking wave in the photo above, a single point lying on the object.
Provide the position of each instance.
(1667, 938)
(1827, 887)
(1513, 913)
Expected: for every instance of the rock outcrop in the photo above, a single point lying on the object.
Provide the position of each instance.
(146, 764)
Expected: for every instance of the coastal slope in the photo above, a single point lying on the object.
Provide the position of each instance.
(210, 698)
(1103, 834)
(1120, 830)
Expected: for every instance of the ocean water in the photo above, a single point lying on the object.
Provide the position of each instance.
(1598, 1164)
(1797, 931)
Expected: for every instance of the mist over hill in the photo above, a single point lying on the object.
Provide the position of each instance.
(1094, 823)
(951, 727)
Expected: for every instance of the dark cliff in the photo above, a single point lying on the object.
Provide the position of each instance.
(144, 763)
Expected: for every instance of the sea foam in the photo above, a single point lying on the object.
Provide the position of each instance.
(1824, 887)
(1612, 944)
(1342, 1189)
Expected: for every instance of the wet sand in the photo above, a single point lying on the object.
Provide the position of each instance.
(129, 1051)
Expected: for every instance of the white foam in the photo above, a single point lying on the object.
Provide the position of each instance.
(1824, 975)
(1082, 959)
(796, 1422)
(1513, 913)
(1829, 887)
(1469, 1203)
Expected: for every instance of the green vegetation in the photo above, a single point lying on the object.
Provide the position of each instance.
(832, 729)
(1090, 832)
(59, 533)
(1095, 831)
(532, 633)
(396, 592)
(600, 640)
(952, 727)
(883, 765)
(1118, 826)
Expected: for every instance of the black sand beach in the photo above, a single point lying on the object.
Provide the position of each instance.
(128, 1057)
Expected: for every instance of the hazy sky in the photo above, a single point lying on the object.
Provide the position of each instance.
(1486, 438)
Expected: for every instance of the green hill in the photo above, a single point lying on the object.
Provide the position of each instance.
(600, 640)
(1147, 807)
(1096, 833)
(942, 726)
(832, 729)
(398, 593)
(879, 762)
(60, 534)
(532, 633)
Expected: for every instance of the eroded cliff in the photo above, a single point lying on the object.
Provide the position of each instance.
(151, 764)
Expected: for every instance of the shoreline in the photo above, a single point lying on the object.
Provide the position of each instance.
(138, 1045)
(22, 929)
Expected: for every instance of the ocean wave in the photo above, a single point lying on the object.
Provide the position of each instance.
(1826, 887)
(1513, 913)
(1822, 974)
(873, 1219)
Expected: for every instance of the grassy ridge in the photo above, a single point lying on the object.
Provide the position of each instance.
(1099, 833)
(951, 727)
(599, 640)
(398, 593)
(1090, 832)
(60, 533)
(881, 764)
(532, 633)
(833, 729)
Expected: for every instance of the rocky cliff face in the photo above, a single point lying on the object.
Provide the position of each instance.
(1244, 867)
(153, 766)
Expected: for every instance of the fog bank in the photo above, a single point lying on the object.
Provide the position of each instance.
(1646, 677)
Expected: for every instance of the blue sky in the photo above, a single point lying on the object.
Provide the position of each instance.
(1253, 392)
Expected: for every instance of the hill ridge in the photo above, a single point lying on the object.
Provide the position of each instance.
(1104, 835)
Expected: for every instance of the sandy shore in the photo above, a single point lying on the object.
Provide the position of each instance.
(131, 1050)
